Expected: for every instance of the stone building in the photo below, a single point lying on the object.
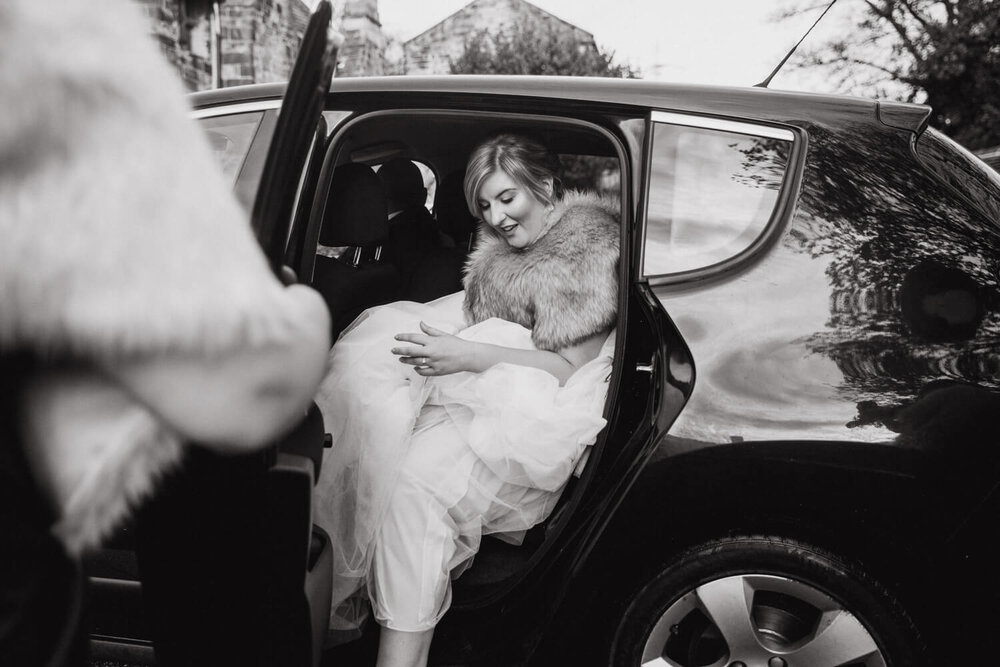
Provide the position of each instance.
(233, 42)
(363, 52)
(432, 51)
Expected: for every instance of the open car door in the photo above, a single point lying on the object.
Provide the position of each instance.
(232, 569)
(301, 110)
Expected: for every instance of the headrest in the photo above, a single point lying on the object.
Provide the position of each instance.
(403, 182)
(355, 208)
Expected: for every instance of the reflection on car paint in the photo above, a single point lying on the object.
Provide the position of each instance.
(910, 299)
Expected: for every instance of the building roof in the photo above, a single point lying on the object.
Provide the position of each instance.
(434, 50)
(476, 5)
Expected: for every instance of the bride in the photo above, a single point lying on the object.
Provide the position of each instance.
(478, 421)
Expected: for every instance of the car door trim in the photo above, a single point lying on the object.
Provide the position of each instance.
(780, 215)
(723, 125)
(234, 109)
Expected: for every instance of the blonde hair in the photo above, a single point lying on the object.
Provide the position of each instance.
(525, 160)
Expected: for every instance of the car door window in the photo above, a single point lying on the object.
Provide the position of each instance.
(230, 137)
(713, 187)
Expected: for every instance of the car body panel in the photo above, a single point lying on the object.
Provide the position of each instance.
(843, 366)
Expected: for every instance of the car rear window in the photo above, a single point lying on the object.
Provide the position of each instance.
(714, 186)
(962, 171)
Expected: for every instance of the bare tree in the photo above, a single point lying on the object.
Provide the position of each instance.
(945, 53)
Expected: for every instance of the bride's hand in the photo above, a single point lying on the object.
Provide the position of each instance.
(435, 352)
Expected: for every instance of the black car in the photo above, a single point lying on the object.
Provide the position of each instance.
(802, 456)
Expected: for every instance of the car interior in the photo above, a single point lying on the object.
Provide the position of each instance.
(208, 541)
(347, 227)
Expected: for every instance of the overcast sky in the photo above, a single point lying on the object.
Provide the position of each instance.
(729, 42)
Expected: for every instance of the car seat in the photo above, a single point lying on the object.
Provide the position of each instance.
(452, 213)
(437, 273)
(355, 219)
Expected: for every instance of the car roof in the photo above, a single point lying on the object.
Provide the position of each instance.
(728, 101)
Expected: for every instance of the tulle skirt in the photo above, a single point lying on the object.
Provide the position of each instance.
(421, 468)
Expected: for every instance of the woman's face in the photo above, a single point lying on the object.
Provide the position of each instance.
(511, 209)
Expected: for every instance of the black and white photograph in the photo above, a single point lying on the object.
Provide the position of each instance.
(499, 333)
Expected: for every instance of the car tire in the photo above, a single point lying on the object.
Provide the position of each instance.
(759, 600)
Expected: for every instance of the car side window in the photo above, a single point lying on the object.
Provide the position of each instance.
(230, 137)
(714, 186)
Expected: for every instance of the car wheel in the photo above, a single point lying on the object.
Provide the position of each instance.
(763, 602)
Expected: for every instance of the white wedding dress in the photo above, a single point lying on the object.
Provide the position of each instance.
(421, 468)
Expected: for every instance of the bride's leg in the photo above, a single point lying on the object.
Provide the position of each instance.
(397, 648)
(418, 544)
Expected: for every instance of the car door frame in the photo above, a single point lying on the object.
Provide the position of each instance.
(211, 554)
(652, 378)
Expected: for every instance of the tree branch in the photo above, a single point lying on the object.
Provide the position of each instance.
(895, 74)
(916, 15)
(899, 28)
(841, 61)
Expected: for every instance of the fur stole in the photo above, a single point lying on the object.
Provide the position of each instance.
(564, 286)
(120, 237)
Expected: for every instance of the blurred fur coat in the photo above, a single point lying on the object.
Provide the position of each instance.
(119, 238)
(564, 286)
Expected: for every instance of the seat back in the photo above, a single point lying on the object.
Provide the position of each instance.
(355, 212)
(354, 218)
(453, 214)
(428, 269)
(430, 264)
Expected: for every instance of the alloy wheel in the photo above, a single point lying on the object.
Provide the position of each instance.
(758, 620)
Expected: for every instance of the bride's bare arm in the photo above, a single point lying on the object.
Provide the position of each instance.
(435, 352)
